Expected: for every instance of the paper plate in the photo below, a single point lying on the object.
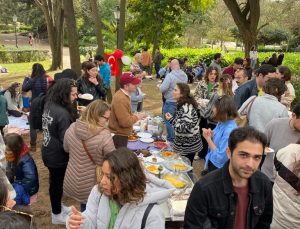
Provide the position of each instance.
(147, 140)
(152, 160)
(86, 96)
(144, 135)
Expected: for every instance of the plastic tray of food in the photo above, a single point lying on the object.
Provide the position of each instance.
(178, 180)
(178, 166)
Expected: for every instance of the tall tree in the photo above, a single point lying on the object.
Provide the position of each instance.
(246, 17)
(97, 26)
(121, 39)
(72, 35)
(54, 16)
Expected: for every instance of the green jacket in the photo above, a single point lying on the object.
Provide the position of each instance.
(3, 110)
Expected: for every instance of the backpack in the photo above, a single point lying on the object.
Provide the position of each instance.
(36, 111)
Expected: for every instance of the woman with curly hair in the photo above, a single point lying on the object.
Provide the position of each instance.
(14, 100)
(58, 115)
(122, 197)
(187, 139)
(91, 83)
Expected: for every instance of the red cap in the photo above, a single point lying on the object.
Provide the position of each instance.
(127, 78)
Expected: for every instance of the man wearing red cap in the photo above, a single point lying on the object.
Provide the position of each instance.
(121, 118)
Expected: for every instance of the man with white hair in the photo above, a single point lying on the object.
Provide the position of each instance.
(167, 87)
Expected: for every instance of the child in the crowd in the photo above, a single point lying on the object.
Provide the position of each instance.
(24, 171)
(26, 101)
(3, 113)
(14, 100)
(137, 97)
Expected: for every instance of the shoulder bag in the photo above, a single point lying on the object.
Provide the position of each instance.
(243, 120)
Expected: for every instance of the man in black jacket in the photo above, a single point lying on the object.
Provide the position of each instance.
(237, 196)
(254, 87)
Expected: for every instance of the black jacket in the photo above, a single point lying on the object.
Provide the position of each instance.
(98, 91)
(37, 85)
(244, 92)
(56, 120)
(212, 202)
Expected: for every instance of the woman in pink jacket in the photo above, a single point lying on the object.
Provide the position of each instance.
(87, 141)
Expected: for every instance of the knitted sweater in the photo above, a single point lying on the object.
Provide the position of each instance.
(187, 130)
(121, 118)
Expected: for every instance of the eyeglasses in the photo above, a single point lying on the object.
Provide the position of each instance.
(27, 216)
(106, 118)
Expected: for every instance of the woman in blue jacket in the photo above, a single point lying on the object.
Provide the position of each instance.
(224, 112)
(26, 180)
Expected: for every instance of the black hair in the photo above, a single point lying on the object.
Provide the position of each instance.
(37, 70)
(286, 72)
(12, 89)
(15, 143)
(217, 55)
(239, 61)
(246, 134)
(12, 220)
(3, 194)
(60, 94)
(296, 110)
(275, 87)
(99, 58)
(186, 96)
(265, 69)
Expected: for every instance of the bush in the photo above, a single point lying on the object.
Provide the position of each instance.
(19, 56)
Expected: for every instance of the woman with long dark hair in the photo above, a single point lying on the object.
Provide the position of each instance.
(37, 84)
(14, 100)
(286, 199)
(285, 74)
(58, 115)
(91, 83)
(187, 139)
(122, 196)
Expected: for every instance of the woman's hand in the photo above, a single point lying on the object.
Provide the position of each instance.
(76, 219)
(168, 116)
(93, 80)
(207, 133)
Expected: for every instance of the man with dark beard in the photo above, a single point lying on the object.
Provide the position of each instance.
(237, 196)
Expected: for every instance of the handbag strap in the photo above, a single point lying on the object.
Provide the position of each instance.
(89, 155)
(147, 211)
(286, 174)
(250, 106)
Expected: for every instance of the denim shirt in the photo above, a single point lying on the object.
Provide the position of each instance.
(220, 137)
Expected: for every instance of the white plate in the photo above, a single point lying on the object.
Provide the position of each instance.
(136, 128)
(144, 135)
(86, 96)
(147, 140)
(159, 160)
(155, 172)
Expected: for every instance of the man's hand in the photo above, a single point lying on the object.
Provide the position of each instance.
(76, 219)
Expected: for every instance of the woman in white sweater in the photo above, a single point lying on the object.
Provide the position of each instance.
(286, 199)
(14, 100)
(123, 195)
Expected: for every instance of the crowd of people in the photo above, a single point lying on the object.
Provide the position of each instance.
(85, 135)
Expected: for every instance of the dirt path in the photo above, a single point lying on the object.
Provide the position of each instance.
(10, 40)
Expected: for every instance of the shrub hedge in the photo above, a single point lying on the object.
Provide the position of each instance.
(19, 56)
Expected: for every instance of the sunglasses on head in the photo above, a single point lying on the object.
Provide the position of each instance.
(27, 216)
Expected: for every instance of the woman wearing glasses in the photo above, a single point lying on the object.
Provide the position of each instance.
(87, 141)
(224, 113)
(59, 113)
(122, 196)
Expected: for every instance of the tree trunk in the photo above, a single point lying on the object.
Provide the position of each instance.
(98, 26)
(72, 36)
(246, 19)
(121, 39)
(54, 17)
